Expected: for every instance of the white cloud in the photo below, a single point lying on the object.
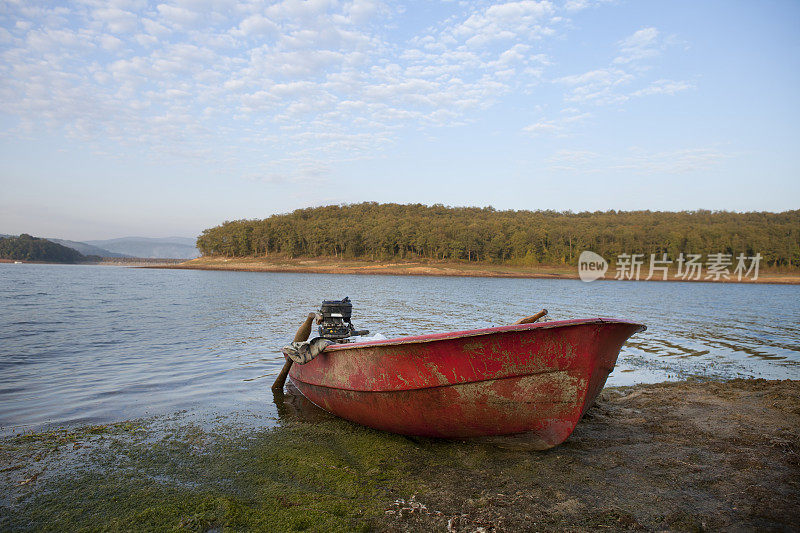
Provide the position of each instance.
(117, 21)
(504, 22)
(578, 5)
(155, 28)
(559, 126)
(177, 16)
(258, 25)
(109, 42)
(667, 87)
(643, 44)
(361, 11)
(314, 81)
(546, 126)
(599, 86)
(616, 84)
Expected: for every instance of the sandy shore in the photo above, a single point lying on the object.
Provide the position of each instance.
(415, 268)
(675, 456)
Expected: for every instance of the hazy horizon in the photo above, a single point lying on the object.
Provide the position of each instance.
(166, 118)
(93, 239)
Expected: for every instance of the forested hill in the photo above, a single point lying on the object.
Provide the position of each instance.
(27, 248)
(391, 231)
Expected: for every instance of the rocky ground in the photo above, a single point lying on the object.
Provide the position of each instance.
(685, 456)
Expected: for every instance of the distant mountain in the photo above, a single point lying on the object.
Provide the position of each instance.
(27, 248)
(87, 249)
(166, 248)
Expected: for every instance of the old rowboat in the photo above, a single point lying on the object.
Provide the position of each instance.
(536, 379)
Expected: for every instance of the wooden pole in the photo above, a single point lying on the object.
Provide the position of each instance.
(532, 319)
(303, 332)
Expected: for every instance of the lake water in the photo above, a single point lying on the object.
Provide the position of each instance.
(98, 344)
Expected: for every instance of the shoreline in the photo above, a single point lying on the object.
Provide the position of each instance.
(419, 268)
(689, 455)
(106, 261)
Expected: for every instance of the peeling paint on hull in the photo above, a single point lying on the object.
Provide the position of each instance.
(536, 379)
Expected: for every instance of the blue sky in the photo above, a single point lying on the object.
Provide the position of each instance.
(128, 117)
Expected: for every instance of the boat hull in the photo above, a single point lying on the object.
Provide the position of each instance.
(536, 379)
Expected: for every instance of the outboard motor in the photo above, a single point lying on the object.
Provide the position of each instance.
(335, 324)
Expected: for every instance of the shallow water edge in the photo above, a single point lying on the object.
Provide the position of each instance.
(685, 455)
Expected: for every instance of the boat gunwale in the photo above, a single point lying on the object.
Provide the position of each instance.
(449, 335)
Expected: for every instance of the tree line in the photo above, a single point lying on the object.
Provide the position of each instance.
(27, 248)
(376, 231)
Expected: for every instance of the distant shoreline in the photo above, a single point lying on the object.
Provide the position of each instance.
(419, 268)
(106, 261)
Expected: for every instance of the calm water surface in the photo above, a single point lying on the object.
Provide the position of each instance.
(92, 344)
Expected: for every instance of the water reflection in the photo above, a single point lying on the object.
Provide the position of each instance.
(292, 406)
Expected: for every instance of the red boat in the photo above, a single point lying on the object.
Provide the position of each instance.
(537, 379)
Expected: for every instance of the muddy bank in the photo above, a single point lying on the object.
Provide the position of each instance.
(403, 268)
(680, 456)
(414, 268)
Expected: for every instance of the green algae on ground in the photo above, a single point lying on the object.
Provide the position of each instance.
(676, 456)
(329, 475)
